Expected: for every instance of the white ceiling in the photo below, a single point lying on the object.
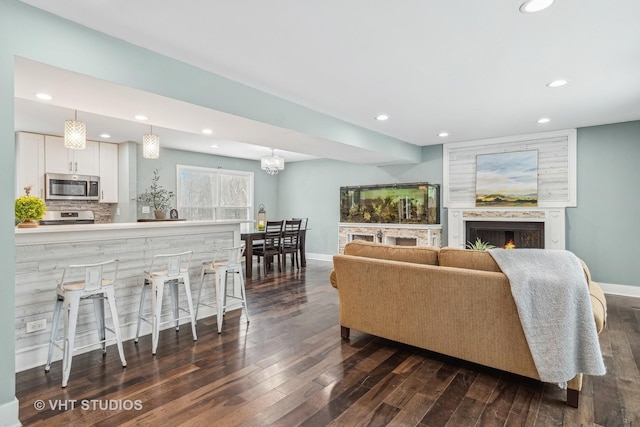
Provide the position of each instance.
(475, 69)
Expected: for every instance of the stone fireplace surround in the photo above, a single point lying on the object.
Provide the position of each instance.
(553, 219)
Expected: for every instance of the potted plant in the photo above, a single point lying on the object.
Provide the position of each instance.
(156, 196)
(29, 209)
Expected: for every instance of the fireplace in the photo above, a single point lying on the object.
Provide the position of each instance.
(502, 233)
(549, 235)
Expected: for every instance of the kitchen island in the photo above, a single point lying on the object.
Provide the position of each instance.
(42, 254)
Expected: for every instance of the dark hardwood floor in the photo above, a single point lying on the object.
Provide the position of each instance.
(290, 367)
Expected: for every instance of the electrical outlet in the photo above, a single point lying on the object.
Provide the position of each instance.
(36, 325)
(145, 209)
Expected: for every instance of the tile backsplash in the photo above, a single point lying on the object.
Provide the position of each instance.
(103, 212)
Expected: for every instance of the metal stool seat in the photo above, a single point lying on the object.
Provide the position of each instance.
(96, 285)
(231, 264)
(171, 269)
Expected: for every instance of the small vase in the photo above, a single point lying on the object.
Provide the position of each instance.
(28, 223)
(160, 214)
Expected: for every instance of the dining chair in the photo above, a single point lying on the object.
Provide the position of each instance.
(303, 223)
(291, 242)
(303, 236)
(95, 282)
(271, 245)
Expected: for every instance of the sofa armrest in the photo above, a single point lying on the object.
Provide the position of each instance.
(333, 279)
(598, 300)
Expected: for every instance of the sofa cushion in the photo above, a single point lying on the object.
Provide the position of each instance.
(466, 258)
(414, 254)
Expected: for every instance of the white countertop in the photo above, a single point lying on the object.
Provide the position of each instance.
(87, 232)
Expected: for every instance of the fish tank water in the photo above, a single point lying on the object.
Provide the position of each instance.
(413, 203)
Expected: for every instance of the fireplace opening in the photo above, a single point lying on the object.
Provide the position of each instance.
(502, 234)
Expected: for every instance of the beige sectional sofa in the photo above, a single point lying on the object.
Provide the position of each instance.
(451, 301)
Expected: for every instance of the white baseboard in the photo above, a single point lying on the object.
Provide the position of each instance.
(624, 290)
(9, 414)
(319, 257)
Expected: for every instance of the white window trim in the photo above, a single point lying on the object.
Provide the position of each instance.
(218, 172)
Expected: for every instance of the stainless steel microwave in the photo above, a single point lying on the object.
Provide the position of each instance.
(71, 187)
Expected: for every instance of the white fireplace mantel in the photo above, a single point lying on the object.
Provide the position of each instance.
(553, 219)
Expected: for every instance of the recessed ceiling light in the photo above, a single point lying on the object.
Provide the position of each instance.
(558, 83)
(215, 146)
(531, 6)
(443, 134)
(382, 117)
(141, 117)
(207, 131)
(105, 135)
(544, 120)
(44, 96)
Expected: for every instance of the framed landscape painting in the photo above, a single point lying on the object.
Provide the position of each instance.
(507, 179)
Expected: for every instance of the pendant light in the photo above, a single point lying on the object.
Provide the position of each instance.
(75, 134)
(272, 164)
(150, 145)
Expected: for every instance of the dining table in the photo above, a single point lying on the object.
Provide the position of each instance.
(257, 235)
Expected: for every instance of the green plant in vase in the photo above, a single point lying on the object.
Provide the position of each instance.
(29, 209)
(156, 196)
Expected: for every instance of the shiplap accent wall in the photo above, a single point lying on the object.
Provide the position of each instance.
(40, 260)
(556, 167)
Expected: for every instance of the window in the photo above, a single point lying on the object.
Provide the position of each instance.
(214, 194)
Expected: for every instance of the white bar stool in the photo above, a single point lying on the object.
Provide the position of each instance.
(171, 269)
(97, 285)
(232, 264)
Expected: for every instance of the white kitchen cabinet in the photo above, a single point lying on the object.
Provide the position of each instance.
(29, 163)
(59, 159)
(108, 172)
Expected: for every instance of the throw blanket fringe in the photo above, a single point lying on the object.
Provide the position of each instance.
(552, 296)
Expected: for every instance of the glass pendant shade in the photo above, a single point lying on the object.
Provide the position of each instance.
(75, 134)
(150, 146)
(272, 164)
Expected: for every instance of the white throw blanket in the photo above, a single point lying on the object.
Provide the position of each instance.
(552, 297)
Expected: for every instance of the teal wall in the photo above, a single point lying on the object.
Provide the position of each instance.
(606, 173)
(603, 229)
(312, 189)
(265, 186)
(36, 35)
(7, 233)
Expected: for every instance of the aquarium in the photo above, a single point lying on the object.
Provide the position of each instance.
(414, 203)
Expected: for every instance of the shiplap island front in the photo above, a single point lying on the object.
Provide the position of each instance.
(43, 253)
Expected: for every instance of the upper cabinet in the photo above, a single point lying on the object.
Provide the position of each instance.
(108, 173)
(64, 160)
(29, 163)
(38, 154)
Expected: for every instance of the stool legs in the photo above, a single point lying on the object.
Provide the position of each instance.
(156, 309)
(203, 273)
(70, 304)
(116, 324)
(187, 287)
(221, 293)
(98, 309)
(54, 330)
(141, 309)
(157, 292)
(173, 289)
